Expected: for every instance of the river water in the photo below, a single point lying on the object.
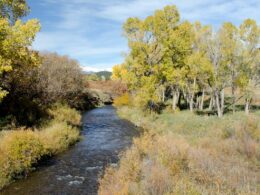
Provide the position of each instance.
(77, 171)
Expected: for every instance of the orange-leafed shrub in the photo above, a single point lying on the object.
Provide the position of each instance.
(123, 100)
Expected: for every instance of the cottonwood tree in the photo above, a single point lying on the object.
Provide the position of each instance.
(179, 47)
(249, 77)
(158, 46)
(145, 52)
(198, 65)
(190, 61)
(15, 41)
(16, 59)
(230, 49)
(119, 72)
(13, 9)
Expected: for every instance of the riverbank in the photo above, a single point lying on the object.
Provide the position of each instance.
(183, 153)
(77, 171)
(21, 149)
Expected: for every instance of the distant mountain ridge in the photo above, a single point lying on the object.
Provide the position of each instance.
(105, 74)
(101, 74)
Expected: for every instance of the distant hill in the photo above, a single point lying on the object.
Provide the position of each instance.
(105, 74)
(95, 76)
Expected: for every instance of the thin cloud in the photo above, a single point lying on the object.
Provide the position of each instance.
(90, 30)
(95, 68)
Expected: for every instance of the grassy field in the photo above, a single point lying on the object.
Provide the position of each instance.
(183, 153)
(21, 149)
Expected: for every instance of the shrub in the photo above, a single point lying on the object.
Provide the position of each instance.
(122, 100)
(58, 137)
(19, 150)
(63, 113)
(183, 153)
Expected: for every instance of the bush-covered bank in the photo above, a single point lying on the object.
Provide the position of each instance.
(21, 149)
(183, 153)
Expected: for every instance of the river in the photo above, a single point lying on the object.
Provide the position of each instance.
(104, 136)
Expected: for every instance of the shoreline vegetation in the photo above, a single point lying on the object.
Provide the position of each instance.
(195, 90)
(41, 96)
(183, 153)
(22, 148)
(185, 83)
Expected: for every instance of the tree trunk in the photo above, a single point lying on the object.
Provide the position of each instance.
(179, 99)
(197, 101)
(191, 103)
(202, 100)
(233, 99)
(163, 95)
(175, 98)
(191, 95)
(178, 95)
(222, 101)
(218, 104)
(211, 103)
(247, 106)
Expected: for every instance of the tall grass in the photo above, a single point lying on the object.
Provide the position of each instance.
(184, 153)
(21, 149)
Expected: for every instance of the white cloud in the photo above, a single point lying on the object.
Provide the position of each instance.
(91, 28)
(94, 69)
(77, 10)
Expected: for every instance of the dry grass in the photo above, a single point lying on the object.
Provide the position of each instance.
(58, 137)
(111, 87)
(184, 153)
(63, 113)
(21, 149)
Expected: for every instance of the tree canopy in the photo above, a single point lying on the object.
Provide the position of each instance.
(178, 59)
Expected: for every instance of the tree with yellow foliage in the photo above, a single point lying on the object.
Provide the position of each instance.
(170, 58)
(119, 72)
(15, 39)
(250, 66)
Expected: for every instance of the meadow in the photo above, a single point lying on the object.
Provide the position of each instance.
(184, 153)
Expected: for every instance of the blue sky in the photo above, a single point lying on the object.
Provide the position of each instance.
(91, 30)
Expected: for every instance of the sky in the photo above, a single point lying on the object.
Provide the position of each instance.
(90, 31)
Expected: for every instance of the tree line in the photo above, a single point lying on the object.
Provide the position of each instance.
(190, 62)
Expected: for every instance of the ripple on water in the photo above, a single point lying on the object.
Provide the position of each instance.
(94, 168)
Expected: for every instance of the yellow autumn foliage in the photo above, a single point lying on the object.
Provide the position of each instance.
(23, 148)
(122, 100)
